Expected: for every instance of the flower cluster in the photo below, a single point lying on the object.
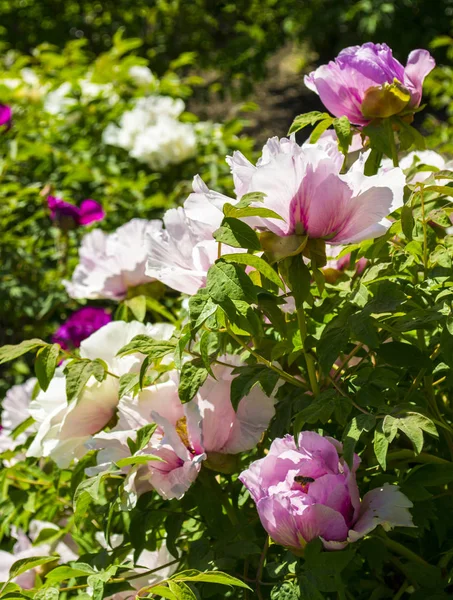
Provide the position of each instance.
(152, 133)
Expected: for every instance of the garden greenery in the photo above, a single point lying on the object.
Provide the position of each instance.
(255, 400)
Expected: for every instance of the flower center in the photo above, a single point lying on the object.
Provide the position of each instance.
(181, 430)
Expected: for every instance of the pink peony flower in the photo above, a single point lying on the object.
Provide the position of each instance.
(206, 428)
(180, 255)
(69, 216)
(304, 186)
(80, 325)
(112, 263)
(365, 82)
(306, 492)
(5, 115)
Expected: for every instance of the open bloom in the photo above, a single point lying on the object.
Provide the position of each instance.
(112, 263)
(64, 428)
(366, 82)
(431, 161)
(304, 186)
(80, 325)
(206, 428)
(69, 216)
(152, 133)
(23, 549)
(15, 411)
(307, 491)
(5, 114)
(180, 255)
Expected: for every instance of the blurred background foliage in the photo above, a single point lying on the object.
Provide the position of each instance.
(238, 66)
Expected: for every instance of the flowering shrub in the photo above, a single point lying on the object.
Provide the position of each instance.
(258, 403)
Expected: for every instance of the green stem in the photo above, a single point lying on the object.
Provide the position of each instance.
(209, 480)
(308, 357)
(425, 232)
(391, 136)
(264, 361)
(400, 549)
(411, 456)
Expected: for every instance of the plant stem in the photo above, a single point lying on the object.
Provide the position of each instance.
(391, 135)
(308, 357)
(425, 232)
(259, 573)
(400, 549)
(264, 361)
(411, 456)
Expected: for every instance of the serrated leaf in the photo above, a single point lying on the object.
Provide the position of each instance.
(193, 375)
(8, 353)
(236, 233)
(380, 446)
(352, 435)
(127, 383)
(320, 128)
(26, 564)
(210, 577)
(137, 306)
(306, 119)
(250, 211)
(45, 364)
(226, 281)
(297, 276)
(209, 345)
(343, 130)
(247, 378)
(51, 593)
(78, 372)
(64, 572)
(201, 307)
(258, 263)
(140, 459)
(181, 590)
(156, 349)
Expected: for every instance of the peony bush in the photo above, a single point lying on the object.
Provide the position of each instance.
(252, 398)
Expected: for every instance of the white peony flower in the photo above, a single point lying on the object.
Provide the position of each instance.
(15, 410)
(419, 157)
(141, 75)
(111, 263)
(152, 134)
(63, 429)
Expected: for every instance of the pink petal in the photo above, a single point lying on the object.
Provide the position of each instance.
(90, 211)
(419, 64)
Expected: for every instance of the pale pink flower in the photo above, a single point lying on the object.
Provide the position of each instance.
(15, 411)
(187, 434)
(307, 491)
(180, 255)
(304, 186)
(112, 263)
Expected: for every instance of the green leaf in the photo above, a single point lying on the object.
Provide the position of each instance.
(407, 221)
(343, 130)
(320, 409)
(226, 281)
(320, 129)
(399, 354)
(363, 329)
(278, 247)
(352, 435)
(140, 459)
(229, 210)
(164, 592)
(247, 199)
(297, 276)
(201, 307)
(248, 377)
(8, 353)
(50, 593)
(380, 445)
(210, 577)
(238, 234)
(62, 573)
(137, 306)
(97, 585)
(22, 427)
(155, 349)
(193, 375)
(87, 493)
(181, 590)
(144, 435)
(45, 364)
(78, 372)
(128, 382)
(258, 263)
(209, 345)
(413, 424)
(26, 564)
(443, 190)
(306, 119)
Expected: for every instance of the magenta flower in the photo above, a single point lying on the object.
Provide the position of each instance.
(5, 114)
(80, 325)
(69, 216)
(306, 492)
(304, 185)
(365, 82)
